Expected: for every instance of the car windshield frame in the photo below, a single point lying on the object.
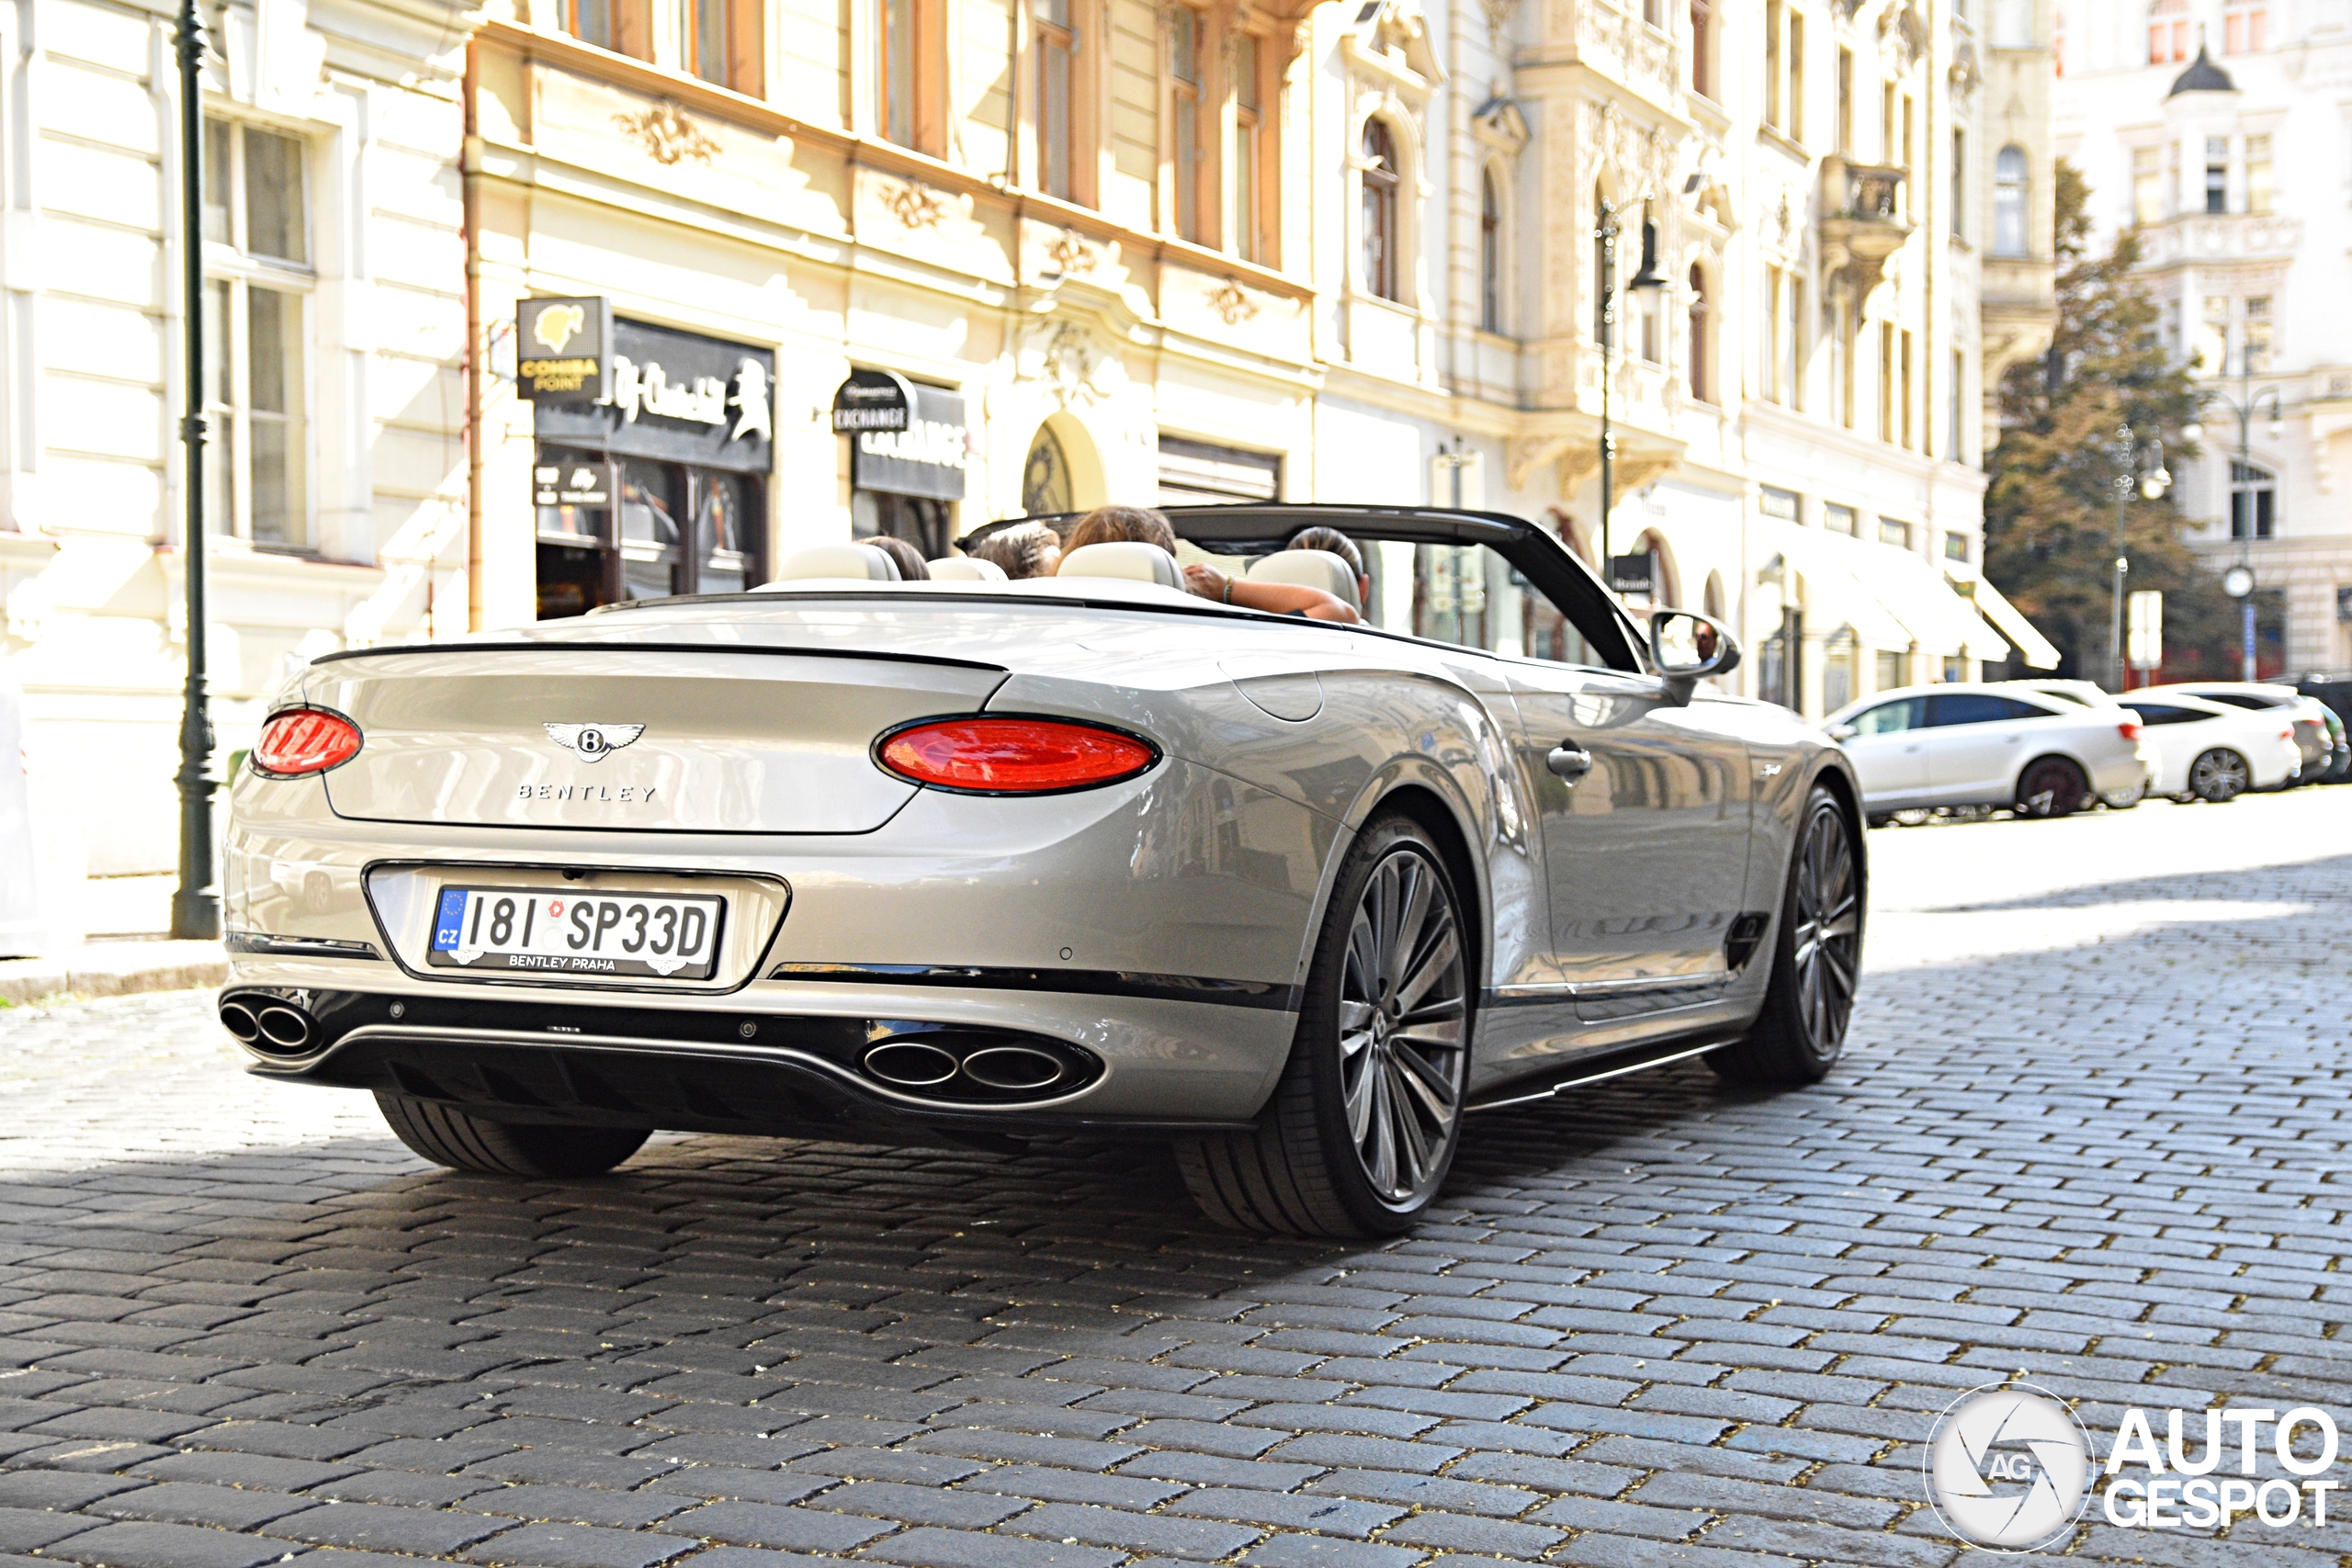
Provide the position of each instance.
(1571, 587)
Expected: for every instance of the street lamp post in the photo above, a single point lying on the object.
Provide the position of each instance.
(2239, 580)
(2140, 468)
(1605, 229)
(195, 905)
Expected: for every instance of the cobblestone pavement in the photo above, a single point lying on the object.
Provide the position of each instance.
(2091, 1129)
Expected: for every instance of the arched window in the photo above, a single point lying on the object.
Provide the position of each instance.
(1381, 187)
(2167, 31)
(1699, 334)
(1490, 255)
(2008, 202)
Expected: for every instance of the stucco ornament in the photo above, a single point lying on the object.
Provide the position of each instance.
(668, 136)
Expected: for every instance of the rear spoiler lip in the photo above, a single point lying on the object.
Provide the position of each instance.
(553, 646)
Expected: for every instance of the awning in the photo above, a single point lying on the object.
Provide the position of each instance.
(1941, 622)
(1825, 586)
(2036, 651)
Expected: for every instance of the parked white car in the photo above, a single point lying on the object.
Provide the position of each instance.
(2307, 715)
(2210, 751)
(1981, 743)
(2090, 694)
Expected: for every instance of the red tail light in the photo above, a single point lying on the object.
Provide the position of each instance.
(305, 740)
(1013, 756)
(2129, 729)
(2287, 733)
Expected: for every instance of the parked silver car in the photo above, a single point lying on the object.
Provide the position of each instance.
(850, 857)
(1988, 744)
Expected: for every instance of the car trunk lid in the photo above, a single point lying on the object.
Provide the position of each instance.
(605, 735)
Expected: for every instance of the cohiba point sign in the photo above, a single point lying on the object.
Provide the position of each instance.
(567, 348)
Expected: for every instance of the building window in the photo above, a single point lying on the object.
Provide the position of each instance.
(1796, 76)
(590, 21)
(1845, 99)
(720, 43)
(1909, 401)
(2217, 173)
(1956, 547)
(1841, 362)
(1057, 41)
(2012, 24)
(1895, 533)
(256, 232)
(1249, 150)
(1773, 63)
(2257, 173)
(2242, 26)
(2257, 341)
(1382, 187)
(1837, 518)
(2147, 187)
(896, 47)
(2167, 31)
(1699, 378)
(1886, 381)
(1490, 254)
(1959, 183)
(2213, 344)
(2254, 499)
(1792, 345)
(1954, 408)
(1703, 58)
(2009, 202)
(1188, 52)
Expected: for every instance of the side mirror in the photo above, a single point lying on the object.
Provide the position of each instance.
(1843, 732)
(1686, 647)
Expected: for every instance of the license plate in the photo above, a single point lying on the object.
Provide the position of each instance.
(532, 929)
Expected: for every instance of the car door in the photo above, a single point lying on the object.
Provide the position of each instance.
(1976, 741)
(1643, 808)
(1887, 745)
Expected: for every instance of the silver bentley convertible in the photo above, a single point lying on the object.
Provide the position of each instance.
(975, 861)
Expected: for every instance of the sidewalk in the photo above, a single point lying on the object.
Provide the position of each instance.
(128, 950)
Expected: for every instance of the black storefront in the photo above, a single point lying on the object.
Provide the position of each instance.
(910, 447)
(659, 485)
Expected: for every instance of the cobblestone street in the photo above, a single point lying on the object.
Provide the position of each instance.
(2091, 1128)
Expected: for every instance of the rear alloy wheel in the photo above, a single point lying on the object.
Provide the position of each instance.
(2219, 775)
(2051, 786)
(2125, 799)
(1815, 960)
(465, 1142)
(1362, 1129)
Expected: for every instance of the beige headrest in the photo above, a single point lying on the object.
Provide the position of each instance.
(1130, 559)
(966, 568)
(836, 561)
(1310, 568)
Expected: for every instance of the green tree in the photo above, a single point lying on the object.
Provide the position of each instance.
(2050, 502)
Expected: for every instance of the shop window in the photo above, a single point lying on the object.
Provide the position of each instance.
(2167, 31)
(2254, 500)
(2009, 202)
(681, 529)
(256, 300)
(1383, 190)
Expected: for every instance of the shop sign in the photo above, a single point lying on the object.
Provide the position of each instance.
(927, 458)
(676, 396)
(1631, 574)
(873, 399)
(566, 349)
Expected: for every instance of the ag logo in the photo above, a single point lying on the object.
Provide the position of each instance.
(594, 742)
(2008, 1467)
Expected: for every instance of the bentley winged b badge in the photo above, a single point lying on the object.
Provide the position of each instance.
(594, 742)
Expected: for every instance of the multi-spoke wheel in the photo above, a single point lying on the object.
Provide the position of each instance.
(2219, 775)
(1817, 957)
(2051, 786)
(1359, 1132)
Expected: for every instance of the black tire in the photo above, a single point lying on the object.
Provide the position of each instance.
(1360, 1130)
(2220, 775)
(1816, 958)
(2051, 786)
(465, 1142)
(1881, 818)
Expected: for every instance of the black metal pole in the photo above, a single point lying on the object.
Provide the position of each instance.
(195, 905)
(2122, 502)
(1608, 235)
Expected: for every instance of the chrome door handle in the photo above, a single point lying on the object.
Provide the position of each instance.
(1569, 759)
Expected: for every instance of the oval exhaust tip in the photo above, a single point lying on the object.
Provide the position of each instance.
(907, 1063)
(284, 1028)
(1013, 1067)
(239, 1021)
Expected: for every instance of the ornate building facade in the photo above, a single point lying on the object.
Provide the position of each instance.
(2218, 128)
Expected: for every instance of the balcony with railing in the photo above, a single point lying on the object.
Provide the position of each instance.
(1864, 219)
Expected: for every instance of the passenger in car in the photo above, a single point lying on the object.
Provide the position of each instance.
(1108, 525)
(911, 567)
(1321, 537)
(1030, 551)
